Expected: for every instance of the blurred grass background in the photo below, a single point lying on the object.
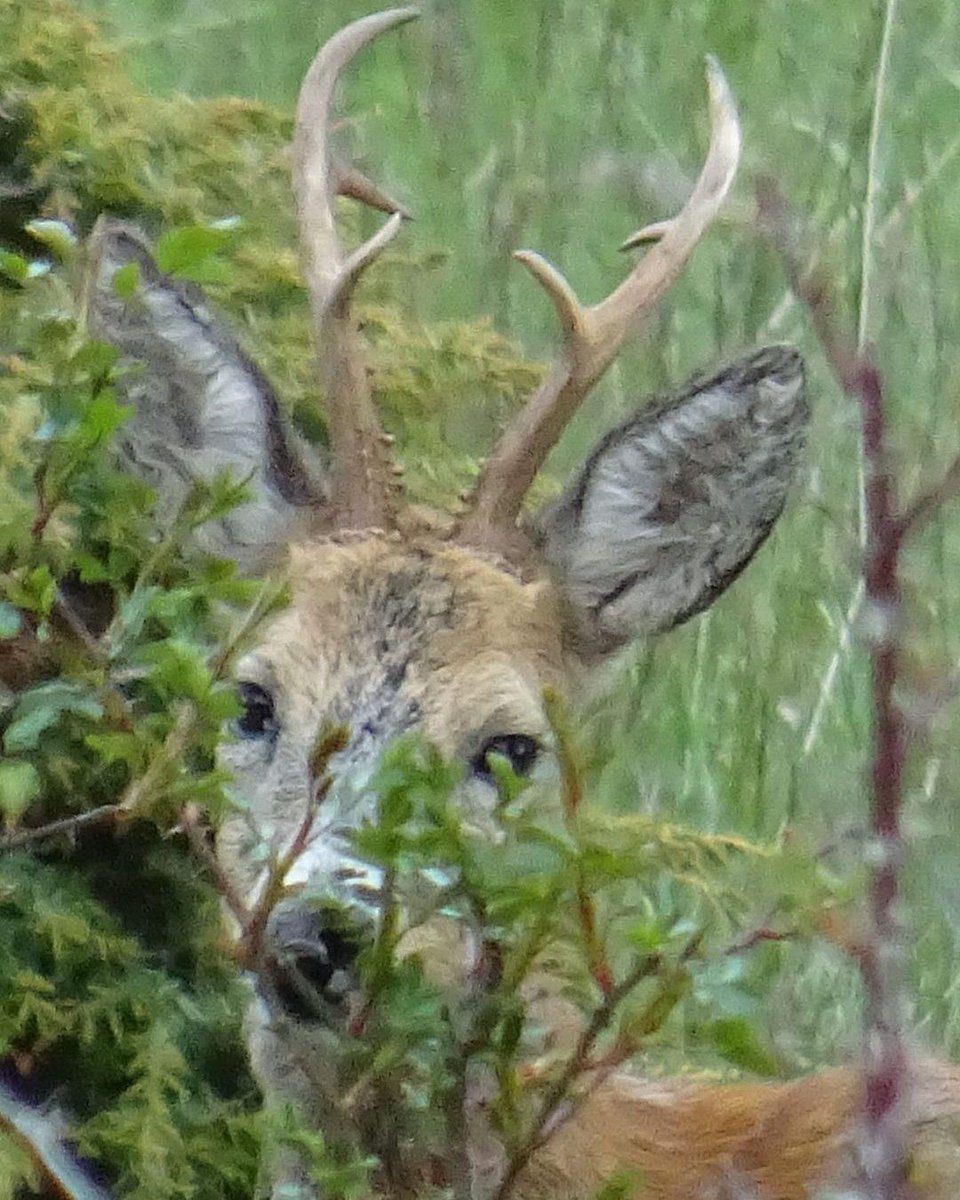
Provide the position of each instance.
(564, 126)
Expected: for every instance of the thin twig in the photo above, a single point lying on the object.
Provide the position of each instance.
(560, 1088)
(571, 787)
(93, 816)
(250, 945)
(45, 506)
(251, 941)
(172, 747)
(267, 599)
(130, 802)
(883, 1137)
(928, 503)
(197, 830)
(77, 626)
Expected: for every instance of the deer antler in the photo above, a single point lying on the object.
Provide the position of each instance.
(593, 335)
(362, 483)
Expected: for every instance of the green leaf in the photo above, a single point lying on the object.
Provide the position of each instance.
(211, 499)
(57, 236)
(40, 709)
(510, 786)
(19, 787)
(648, 936)
(135, 610)
(180, 668)
(90, 568)
(126, 280)
(739, 1044)
(95, 358)
(103, 415)
(188, 252)
(127, 748)
(10, 620)
(34, 591)
(14, 266)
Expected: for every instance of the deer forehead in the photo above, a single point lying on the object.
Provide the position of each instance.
(391, 636)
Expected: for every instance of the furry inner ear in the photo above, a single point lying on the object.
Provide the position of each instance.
(673, 504)
(200, 405)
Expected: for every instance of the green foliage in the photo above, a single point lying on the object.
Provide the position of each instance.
(19, 787)
(16, 1168)
(516, 887)
(151, 1070)
(114, 988)
(79, 139)
(114, 985)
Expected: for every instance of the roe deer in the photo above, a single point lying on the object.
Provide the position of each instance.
(453, 626)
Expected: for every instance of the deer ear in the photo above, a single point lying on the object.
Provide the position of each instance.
(199, 404)
(673, 504)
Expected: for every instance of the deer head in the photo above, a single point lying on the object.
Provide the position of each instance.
(452, 624)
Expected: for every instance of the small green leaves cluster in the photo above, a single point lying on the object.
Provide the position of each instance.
(114, 657)
(114, 651)
(514, 882)
(149, 1071)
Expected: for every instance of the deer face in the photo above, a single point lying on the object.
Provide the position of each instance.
(384, 637)
(451, 628)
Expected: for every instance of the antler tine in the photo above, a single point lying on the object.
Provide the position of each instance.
(362, 482)
(592, 335)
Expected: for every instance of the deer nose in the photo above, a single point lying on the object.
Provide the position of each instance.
(310, 961)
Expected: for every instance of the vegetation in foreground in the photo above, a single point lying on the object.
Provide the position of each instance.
(737, 724)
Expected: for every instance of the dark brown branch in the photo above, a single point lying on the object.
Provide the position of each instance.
(197, 830)
(251, 942)
(883, 1143)
(94, 816)
(250, 947)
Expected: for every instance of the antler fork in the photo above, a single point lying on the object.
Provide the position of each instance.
(362, 477)
(592, 335)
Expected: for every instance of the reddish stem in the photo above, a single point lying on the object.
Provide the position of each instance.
(571, 789)
(883, 1142)
(884, 1048)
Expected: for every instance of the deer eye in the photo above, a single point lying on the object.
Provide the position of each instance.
(258, 718)
(519, 749)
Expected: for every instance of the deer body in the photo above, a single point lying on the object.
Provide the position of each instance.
(784, 1141)
(453, 627)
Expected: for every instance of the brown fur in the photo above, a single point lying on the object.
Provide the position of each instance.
(684, 1139)
(773, 1141)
